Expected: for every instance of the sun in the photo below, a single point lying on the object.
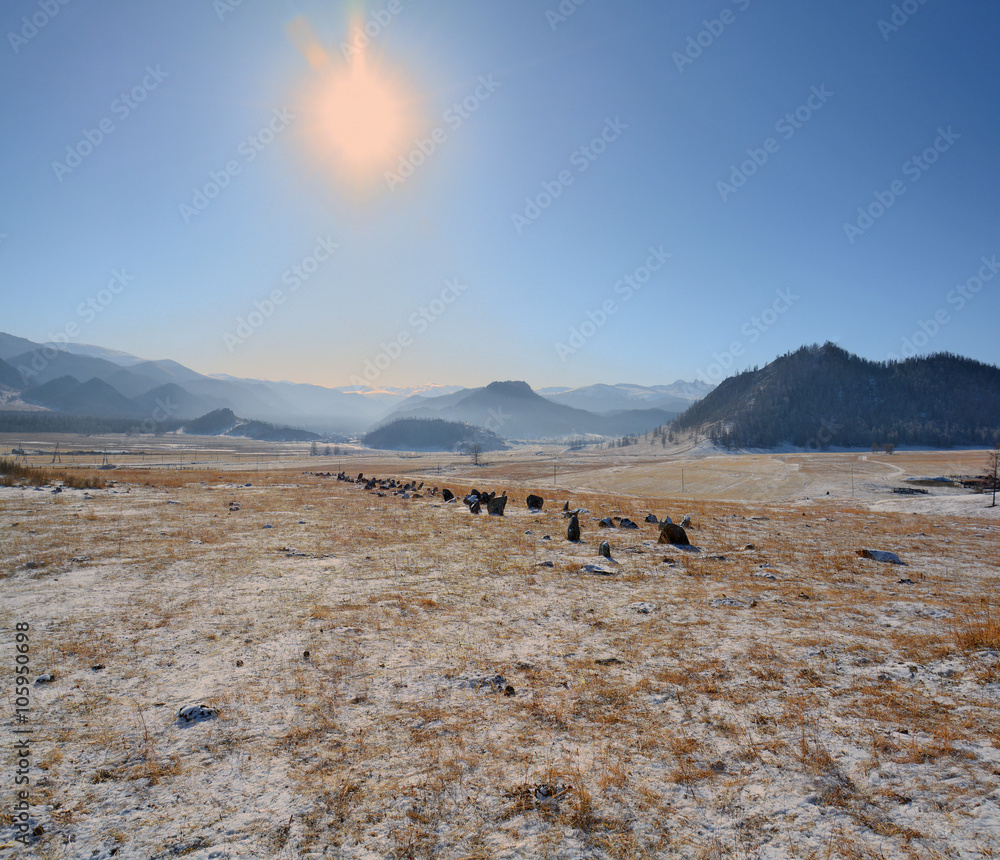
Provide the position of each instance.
(361, 116)
(358, 119)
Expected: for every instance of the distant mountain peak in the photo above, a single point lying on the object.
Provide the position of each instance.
(511, 388)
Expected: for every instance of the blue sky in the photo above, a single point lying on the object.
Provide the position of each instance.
(635, 191)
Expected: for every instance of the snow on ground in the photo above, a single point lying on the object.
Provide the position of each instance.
(769, 694)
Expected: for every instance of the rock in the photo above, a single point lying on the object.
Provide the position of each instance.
(730, 602)
(447, 494)
(535, 502)
(686, 521)
(606, 523)
(196, 714)
(546, 564)
(608, 661)
(651, 518)
(496, 684)
(599, 569)
(566, 506)
(626, 523)
(573, 529)
(495, 506)
(604, 549)
(673, 534)
(45, 678)
(881, 555)
(475, 507)
(642, 608)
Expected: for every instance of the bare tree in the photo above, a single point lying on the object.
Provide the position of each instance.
(475, 449)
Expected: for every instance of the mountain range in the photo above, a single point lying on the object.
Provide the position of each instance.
(513, 410)
(85, 380)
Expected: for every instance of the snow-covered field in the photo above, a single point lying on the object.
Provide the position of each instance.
(768, 695)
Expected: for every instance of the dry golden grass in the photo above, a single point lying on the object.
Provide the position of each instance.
(978, 628)
(626, 730)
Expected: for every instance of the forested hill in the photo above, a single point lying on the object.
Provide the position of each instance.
(822, 396)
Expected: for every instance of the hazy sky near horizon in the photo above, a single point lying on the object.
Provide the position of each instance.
(561, 192)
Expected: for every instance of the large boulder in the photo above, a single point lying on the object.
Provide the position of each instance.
(881, 555)
(496, 504)
(573, 529)
(535, 502)
(447, 494)
(673, 534)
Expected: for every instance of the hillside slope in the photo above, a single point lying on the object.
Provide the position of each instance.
(822, 396)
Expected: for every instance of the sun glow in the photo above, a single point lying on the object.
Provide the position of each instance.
(362, 117)
(357, 118)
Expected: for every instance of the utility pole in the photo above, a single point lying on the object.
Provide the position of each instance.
(682, 480)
